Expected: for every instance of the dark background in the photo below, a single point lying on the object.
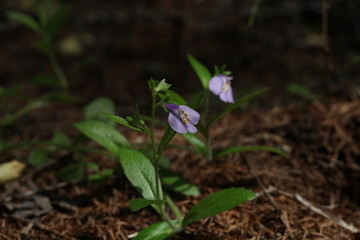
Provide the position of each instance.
(121, 44)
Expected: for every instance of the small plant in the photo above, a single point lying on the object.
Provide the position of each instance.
(49, 18)
(144, 170)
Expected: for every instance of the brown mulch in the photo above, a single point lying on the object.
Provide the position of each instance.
(313, 194)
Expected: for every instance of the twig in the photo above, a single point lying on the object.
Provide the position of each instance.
(317, 210)
(282, 213)
(260, 183)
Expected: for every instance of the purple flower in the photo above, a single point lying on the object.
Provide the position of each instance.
(182, 118)
(220, 85)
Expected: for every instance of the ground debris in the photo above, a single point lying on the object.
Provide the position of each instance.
(296, 197)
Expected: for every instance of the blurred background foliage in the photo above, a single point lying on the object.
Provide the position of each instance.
(111, 48)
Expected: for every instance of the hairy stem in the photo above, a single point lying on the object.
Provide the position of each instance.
(155, 158)
(174, 208)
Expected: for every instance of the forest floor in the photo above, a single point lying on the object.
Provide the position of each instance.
(313, 194)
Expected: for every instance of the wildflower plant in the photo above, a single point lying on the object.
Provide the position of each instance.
(219, 84)
(145, 171)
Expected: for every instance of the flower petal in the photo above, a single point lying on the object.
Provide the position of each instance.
(215, 85)
(171, 106)
(176, 124)
(230, 95)
(191, 128)
(193, 115)
(227, 96)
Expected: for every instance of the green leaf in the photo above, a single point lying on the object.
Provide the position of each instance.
(72, 172)
(100, 176)
(299, 90)
(199, 145)
(218, 202)
(46, 81)
(123, 122)
(25, 20)
(102, 133)
(61, 140)
(93, 166)
(175, 98)
(93, 111)
(60, 97)
(140, 172)
(195, 103)
(176, 183)
(237, 103)
(253, 12)
(139, 203)
(38, 157)
(157, 231)
(54, 22)
(168, 135)
(202, 72)
(162, 86)
(222, 152)
(164, 162)
(43, 46)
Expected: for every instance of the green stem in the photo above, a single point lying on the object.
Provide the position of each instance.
(58, 71)
(207, 127)
(166, 218)
(209, 145)
(174, 208)
(155, 157)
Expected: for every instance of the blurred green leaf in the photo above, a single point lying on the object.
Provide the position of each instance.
(199, 145)
(299, 90)
(201, 71)
(157, 231)
(25, 20)
(92, 166)
(46, 81)
(54, 21)
(253, 11)
(216, 203)
(136, 204)
(237, 103)
(95, 110)
(176, 183)
(196, 101)
(10, 118)
(102, 133)
(38, 157)
(226, 151)
(101, 176)
(72, 172)
(59, 97)
(43, 46)
(59, 139)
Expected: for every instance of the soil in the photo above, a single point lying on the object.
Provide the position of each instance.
(313, 194)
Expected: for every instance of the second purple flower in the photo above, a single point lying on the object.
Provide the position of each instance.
(182, 118)
(220, 85)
